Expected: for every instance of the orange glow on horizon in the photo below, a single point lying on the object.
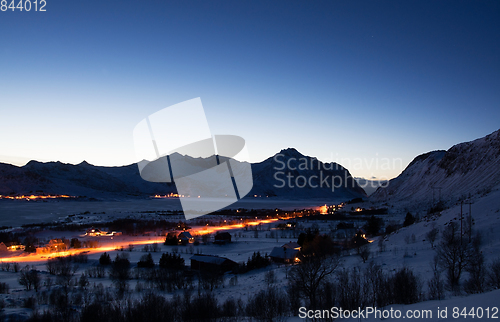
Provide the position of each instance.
(34, 197)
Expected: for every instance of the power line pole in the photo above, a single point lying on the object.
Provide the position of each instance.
(461, 217)
(469, 202)
(433, 194)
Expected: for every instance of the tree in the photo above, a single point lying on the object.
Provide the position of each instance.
(494, 273)
(171, 261)
(257, 261)
(120, 272)
(409, 220)
(171, 239)
(146, 261)
(364, 253)
(105, 259)
(477, 273)
(75, 243)
(270, 278)
(431, 236)
(30, 278)
(435, 284)
(311, 273)
(319, 246)
(83, 281)
(268, 305)
(454, 253)
(406, 287)
(373, 225)
(375, 286)
(350, 289)
(210, 280)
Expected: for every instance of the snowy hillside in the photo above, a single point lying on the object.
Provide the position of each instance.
(467, 168)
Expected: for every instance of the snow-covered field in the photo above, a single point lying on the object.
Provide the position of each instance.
(405, 247)
(19, 212)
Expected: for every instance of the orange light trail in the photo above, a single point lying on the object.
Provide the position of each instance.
(124, 241)
(34, 197)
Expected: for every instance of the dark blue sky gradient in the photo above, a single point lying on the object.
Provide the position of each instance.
(348, 80)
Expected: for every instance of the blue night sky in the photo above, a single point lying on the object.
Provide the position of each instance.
(348, 81)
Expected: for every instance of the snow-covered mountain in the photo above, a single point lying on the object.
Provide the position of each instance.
(470, 168)
(88, 180)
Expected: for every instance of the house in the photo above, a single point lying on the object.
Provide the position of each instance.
(13, 246)
(284, 254)
(185, 238)
(3, 247)
(95, 232)
(292, 245)
(212, 263)
(359, 239)
(361, 233)
(222, 238)
(54, 246)
(287, 253)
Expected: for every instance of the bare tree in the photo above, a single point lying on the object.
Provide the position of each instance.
(494, 273)
(432, 235)
(476, 283)
(454, 253)
(364, 253)
(350, 289)
(436, 284)
(311, 273)
(30, 278)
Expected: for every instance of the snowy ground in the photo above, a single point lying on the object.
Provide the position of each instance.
(19, 212)
(401, 249)
(486, 304)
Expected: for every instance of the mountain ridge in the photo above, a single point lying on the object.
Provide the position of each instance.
(467, 168)
(85, 179)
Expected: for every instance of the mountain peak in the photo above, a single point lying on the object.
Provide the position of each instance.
(84, 164)
(291, 152)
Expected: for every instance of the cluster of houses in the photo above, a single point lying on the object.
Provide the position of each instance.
(53, 246)
(59, 245)
(288, 254)
(185, 238)
(5, 247)
(96, 232)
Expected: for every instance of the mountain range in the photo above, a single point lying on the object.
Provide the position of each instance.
(466, 169)
(280, 176)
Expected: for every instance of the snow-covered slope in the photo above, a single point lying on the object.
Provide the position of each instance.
(466, 168)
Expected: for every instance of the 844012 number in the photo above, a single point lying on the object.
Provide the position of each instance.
(23, 5)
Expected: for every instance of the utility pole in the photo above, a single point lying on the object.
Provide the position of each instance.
(433, 193)
(469, 202)
(461, 217)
